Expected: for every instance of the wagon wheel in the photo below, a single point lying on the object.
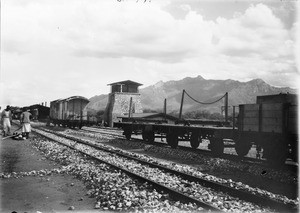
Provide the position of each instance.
(148, 136)
(217, 146)
(242, 147)
(295, 154)
(294, 150)
(195, 140)
(144, 135)
(278, 153)
(169, 139)
(172, 140)
(127, 133)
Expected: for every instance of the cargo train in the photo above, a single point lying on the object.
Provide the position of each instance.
(271, 124)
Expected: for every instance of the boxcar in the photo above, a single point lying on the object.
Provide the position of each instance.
(272, 125)
(69, 112)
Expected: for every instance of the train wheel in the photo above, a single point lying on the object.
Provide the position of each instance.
(277, 153)
(127, 132)
(127, 135)
(195, 140)
(168, 138)
(172, 140)
(151, 136)
(148, 136)
(242, 148)
(294, 152)
(144, 135)
(217, 146)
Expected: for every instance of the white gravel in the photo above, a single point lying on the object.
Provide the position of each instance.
(216, 163)
(220, 200)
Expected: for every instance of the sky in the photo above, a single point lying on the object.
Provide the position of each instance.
(52, 49)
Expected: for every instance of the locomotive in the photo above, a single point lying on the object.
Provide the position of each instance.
(70, 112)
(271, 124)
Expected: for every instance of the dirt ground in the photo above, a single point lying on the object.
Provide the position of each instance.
(54, 193)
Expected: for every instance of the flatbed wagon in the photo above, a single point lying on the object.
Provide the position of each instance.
(271, 124)
(175, 132)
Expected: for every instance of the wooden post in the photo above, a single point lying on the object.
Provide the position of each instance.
(233, 117)
(73, 112)
(165, 109)
(226, 107)
(181, 105)
(81, 111)
(130, 104)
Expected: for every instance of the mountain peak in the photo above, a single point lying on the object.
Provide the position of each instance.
(159, 84)
(257, 81)
(200, 77)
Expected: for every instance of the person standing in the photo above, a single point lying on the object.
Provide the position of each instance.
(6, 120)
(25, 121)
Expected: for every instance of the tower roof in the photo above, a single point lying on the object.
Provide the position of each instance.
(125, 83)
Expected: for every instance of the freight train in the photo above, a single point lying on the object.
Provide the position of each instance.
(70, 112)
(271, 124)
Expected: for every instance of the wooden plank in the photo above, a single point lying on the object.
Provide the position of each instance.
(273, 106)
(272, 121)
(251, 114)
(249, 127)
(250, 121)
(293, 126)
(293, 111)
(272, 114)
(272, 128)
(249, 107)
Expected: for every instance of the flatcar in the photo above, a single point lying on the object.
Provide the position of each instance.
(271, 124)
(69, 112)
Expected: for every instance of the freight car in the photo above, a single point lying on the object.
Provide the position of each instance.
(271, 124)
(69, 112)
(39, 112)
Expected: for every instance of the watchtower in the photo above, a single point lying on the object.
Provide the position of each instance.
(119, 100)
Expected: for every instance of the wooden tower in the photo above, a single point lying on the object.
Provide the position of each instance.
(119, 100)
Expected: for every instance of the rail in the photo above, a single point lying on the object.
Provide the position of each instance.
(263, 201)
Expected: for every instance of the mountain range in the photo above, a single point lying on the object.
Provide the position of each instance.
(200, 89)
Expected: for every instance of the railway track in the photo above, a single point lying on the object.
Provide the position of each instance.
(188, 180)
(231, 157)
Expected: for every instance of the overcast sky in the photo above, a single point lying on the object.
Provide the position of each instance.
(53, 49)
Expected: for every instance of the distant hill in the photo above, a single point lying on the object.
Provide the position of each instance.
(203, 90)
(97, 103)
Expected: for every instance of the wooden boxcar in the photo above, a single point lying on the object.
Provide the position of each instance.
(39, 112)
(272, 125)
(69, 112)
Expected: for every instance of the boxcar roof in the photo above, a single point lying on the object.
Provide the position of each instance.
(125, 83)
(76, 97)
(57, 100)
(71, 98)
